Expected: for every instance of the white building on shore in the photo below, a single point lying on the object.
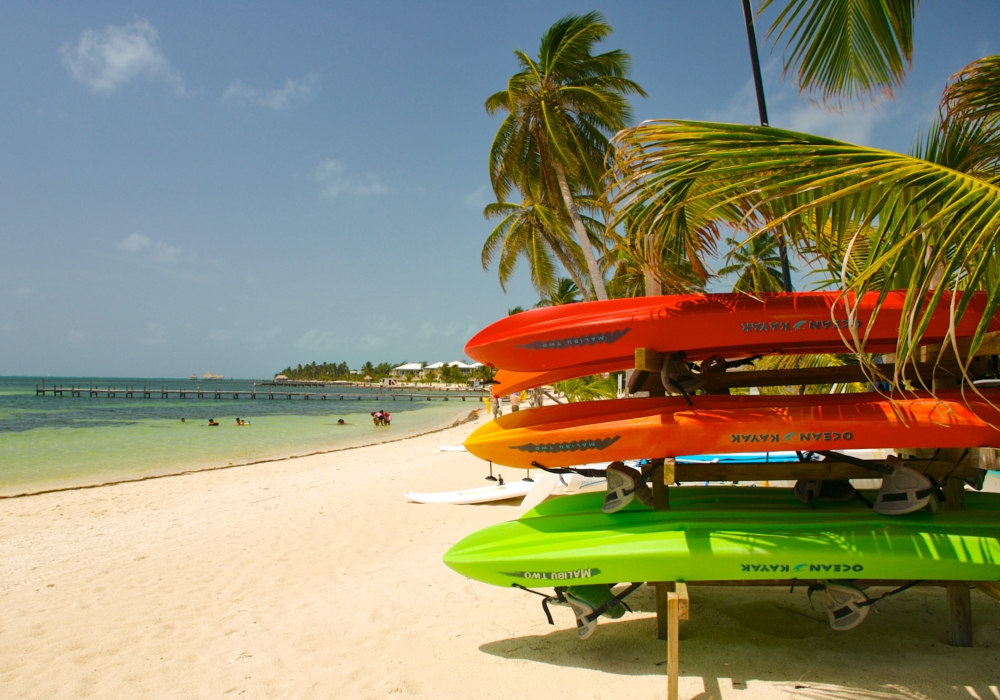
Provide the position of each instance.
(419, 370)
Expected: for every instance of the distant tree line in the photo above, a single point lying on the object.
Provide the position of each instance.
(333, 371)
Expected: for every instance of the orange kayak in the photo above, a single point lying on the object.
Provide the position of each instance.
(602, 431)
(511, 382)
(731, 325)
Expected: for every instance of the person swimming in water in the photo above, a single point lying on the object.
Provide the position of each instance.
(212, 422)
(341, 422)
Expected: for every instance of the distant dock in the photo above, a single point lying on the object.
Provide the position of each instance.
(272, 392)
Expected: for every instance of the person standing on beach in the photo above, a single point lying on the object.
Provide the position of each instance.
(515, 402)
(495, 405)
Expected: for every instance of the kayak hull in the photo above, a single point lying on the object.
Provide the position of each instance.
(607, 333)
(731, 534)
(570, 434)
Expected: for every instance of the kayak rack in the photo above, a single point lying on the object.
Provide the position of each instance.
(937, 365)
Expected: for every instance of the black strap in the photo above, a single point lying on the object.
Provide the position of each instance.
(560, 597)
(569, 470)
(879, 467)
(545, 599)
(867, 601)
(614, 601)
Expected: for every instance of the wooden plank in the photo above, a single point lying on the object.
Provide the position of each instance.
(829, 469)
(647, 360)
(989, 346)
(959, 615)
(722, 381)
(684, 611)
(673, 653)
(663, 589)
(990, 588)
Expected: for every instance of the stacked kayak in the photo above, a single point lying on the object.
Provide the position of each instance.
(552, 344)
(719, 533)
(830, 537)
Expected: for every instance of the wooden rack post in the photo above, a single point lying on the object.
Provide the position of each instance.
(678, 608)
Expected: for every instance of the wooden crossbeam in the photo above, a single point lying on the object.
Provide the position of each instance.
(828, 469)
(844, 374)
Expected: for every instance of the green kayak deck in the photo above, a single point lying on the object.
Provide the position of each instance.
(731, 534)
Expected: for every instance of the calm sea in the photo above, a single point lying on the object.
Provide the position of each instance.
(52, 442)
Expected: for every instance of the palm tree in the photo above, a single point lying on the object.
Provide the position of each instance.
(560, 109)
(567, 292)
(757, 261)
(535, 232)
(920, 223)
(928, 222)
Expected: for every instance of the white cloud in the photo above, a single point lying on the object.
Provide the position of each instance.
(137, 242)
(332, 175)
(166, 253)
(134, 242)
(280, 99)
(107, 59)
(155, 334)
(788, 110)
(479, 198)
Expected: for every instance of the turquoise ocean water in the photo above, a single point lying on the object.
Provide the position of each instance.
(53, 442)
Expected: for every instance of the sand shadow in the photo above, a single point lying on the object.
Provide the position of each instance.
(739, 636)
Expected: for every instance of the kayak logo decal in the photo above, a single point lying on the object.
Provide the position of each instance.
(830, 436)
(554, 575)
(575, 446)
(788, 568)
(589, 340)
(803, 325)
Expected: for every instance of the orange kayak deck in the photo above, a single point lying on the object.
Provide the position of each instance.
(732, 325)
(602, 431)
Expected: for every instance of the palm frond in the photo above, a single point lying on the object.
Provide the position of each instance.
(942, 225)
(848, 49)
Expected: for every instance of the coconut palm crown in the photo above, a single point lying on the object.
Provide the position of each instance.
(561, 108)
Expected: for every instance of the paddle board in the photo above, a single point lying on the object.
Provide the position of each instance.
(569, 434)
(483, 494)
(727, 534)
(597, 334)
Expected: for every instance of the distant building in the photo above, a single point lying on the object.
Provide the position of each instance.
(209, 375)
(414, 368)
(420, 371)
(280, 378)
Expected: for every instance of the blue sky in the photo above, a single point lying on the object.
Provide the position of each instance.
(236, 187)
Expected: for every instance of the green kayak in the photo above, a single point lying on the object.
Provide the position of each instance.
(729, 534)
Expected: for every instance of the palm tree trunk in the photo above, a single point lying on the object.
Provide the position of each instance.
(571, 270)
(600, 291)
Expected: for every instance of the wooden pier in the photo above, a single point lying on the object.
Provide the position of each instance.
(254, 393)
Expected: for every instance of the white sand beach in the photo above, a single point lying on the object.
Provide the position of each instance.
(314, 577)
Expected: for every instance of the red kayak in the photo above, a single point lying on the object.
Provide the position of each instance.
(605, 334)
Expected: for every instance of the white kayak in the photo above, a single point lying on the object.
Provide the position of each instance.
(452, 448)
(483, 494)
(564, 484)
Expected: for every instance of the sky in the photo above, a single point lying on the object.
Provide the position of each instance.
(236, 187)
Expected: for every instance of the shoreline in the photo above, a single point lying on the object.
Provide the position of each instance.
(321, 580)
(471, 416)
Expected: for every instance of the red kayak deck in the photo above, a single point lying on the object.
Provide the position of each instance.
(606, 333)
(601, 431)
